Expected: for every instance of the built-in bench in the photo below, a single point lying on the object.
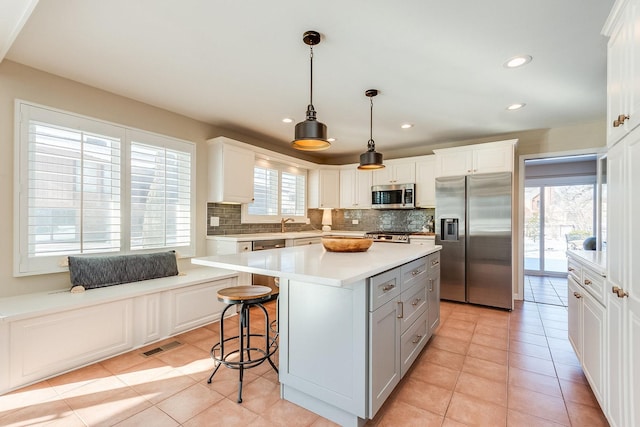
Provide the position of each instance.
(48, 333)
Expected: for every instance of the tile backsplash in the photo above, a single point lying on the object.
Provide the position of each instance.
(410, 220)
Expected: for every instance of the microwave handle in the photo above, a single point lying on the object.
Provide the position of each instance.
(403, 190)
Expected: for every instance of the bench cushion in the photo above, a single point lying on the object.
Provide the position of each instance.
(101, 271)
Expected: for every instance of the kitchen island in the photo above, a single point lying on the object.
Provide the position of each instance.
(351, 324)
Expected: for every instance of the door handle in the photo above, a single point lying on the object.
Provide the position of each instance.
(401, 307)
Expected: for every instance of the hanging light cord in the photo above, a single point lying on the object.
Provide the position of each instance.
(370, 144)
(311, 85)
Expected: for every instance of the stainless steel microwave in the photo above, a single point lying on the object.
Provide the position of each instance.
(396, 196)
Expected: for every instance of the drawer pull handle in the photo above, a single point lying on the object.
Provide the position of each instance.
(430, 285)
(577, 295)
(416, 301)
(620, 292)
(387, 288)
(620, 120)
(401, 307)
(435, 262)
(587, 281)
(416, 272)
(417, 339)
(571, 269)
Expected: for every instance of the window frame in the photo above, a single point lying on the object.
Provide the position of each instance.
(23, 264)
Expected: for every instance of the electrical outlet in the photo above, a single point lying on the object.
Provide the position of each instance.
(354, 221)
(214, 221)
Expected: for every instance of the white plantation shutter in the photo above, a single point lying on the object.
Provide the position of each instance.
(279, 190)
(292, 200)
(78, 193)
(160, 197)
(265, 192)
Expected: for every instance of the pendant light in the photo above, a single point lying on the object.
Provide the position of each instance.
(370, 159)
(311, 135)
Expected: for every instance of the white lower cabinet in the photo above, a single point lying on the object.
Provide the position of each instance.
(587, 323)
(45, 345)
(574, 325)
(593, 341)
(38, 347)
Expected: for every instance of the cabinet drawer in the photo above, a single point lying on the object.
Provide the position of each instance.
(594, 284)
(575, 269)
(383, 288)
(412, 342)
(414, 272)
(414, 303)
(307, 241)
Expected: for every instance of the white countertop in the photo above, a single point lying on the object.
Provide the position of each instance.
(595, 260)
(314, 264)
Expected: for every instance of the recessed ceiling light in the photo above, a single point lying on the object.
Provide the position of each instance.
(406, 126)
(518, 61)
(516, 106)
(331, 139)
(287, 120)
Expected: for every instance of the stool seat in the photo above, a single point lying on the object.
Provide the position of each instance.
(239, 294)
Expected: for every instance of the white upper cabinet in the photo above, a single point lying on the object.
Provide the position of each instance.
(324, 188)
(623, 86)
(399, 171)
(479, 158)
(230, 171)
(355, 187)
(426, 181)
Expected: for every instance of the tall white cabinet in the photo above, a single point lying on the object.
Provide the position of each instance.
(622, 375)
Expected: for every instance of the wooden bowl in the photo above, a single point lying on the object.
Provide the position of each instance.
(346, 243)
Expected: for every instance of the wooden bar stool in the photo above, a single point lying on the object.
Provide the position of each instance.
(244, 354)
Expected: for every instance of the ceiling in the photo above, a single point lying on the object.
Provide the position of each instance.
(242, 65)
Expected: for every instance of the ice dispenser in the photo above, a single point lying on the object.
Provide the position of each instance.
(449, 229)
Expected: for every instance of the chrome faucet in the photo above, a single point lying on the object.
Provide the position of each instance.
(283, 221)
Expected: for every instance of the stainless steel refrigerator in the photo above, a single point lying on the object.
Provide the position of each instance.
(473, 226)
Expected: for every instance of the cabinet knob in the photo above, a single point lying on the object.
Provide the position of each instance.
(619, 291)
(577, 295)
(620, 120)
(587, 281)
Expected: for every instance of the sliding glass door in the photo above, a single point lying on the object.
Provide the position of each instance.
(557, 218)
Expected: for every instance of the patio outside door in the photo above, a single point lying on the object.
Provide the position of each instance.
(557, 218)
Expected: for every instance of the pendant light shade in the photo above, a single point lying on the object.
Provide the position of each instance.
(311, 135)
(371, 159)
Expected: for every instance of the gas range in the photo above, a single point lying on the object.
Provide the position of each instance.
(389, 236)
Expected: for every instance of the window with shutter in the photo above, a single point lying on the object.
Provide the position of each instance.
(78, 192)
(279, 191)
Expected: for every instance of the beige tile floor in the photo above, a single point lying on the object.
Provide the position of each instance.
(483, 367)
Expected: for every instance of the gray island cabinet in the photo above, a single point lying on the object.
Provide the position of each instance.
(351, 324)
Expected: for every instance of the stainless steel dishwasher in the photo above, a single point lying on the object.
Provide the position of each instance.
(259, 279)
